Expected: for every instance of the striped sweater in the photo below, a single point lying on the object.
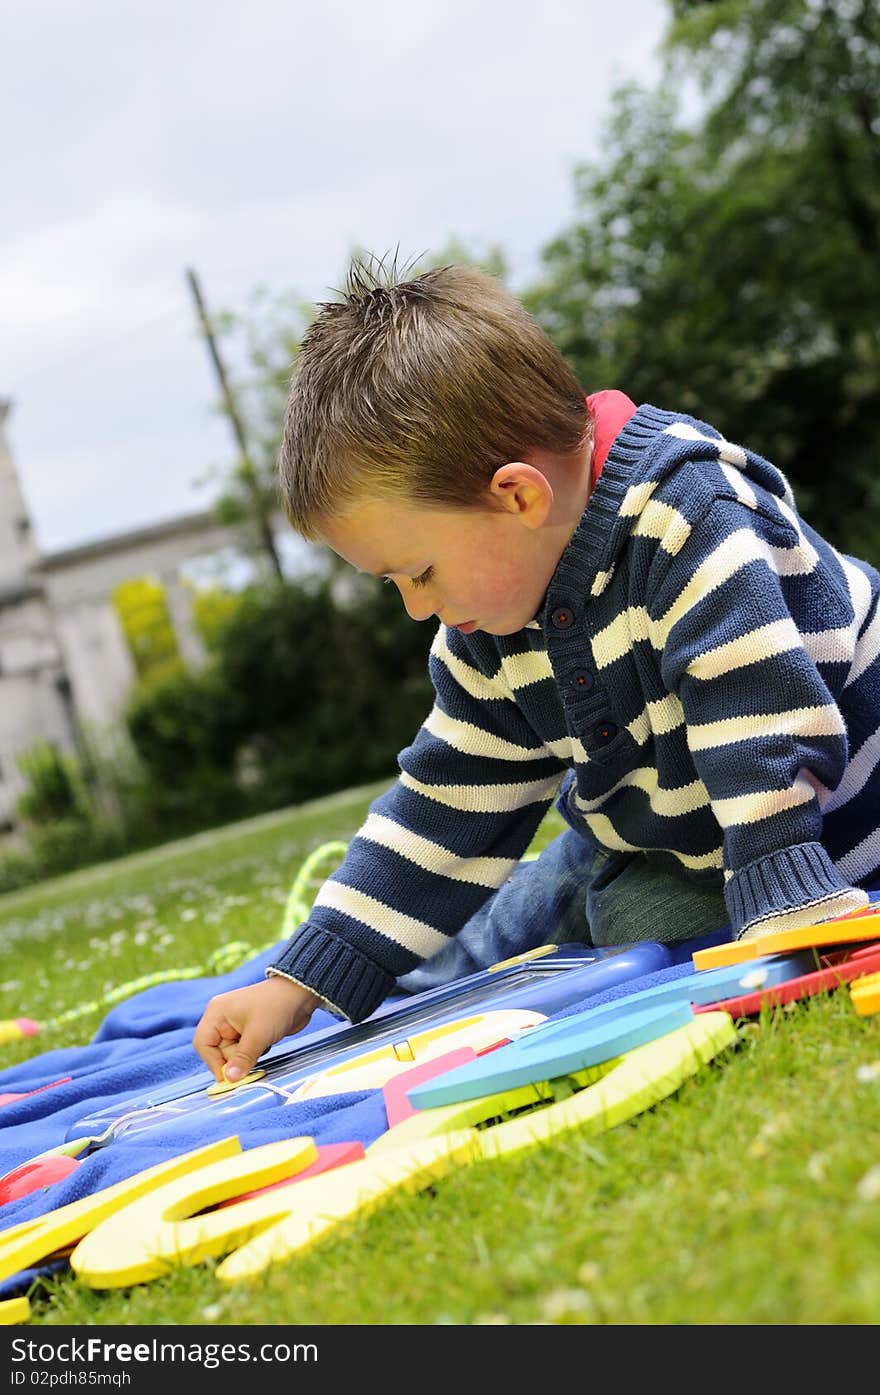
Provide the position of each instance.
(702, 683)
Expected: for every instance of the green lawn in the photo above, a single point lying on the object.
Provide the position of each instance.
(750, 1196)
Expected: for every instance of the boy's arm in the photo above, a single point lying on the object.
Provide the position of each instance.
(472, 790)
(764, 729)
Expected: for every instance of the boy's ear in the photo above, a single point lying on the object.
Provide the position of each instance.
(523, 490)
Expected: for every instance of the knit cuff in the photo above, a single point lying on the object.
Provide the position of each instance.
(336, 971)
(795, 887)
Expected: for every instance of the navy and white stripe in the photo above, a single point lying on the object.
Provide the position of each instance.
(702, 683)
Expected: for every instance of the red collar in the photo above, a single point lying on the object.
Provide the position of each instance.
(610, 410)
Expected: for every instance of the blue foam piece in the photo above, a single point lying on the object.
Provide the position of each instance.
(558, 1048)
(586, 1040)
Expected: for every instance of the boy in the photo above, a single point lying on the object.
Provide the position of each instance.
(634, 621)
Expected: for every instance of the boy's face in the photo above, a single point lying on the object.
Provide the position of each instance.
(480, 568)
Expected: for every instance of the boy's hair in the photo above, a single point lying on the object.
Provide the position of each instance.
(420, 389)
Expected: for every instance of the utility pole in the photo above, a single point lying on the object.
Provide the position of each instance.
(262, 516)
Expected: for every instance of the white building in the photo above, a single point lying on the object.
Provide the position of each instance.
(64, 658)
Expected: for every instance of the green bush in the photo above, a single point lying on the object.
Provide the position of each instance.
(322, 694)
(55, 789)
(303, 696)
(17, 869)
(69, 843)
(177, 724)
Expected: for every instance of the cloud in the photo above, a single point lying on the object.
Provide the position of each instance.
(257, 143)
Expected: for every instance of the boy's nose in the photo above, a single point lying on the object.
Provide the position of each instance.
(418, 606)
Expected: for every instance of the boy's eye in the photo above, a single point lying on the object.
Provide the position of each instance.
(424, 578)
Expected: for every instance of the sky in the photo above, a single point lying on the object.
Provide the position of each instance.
(258, 143)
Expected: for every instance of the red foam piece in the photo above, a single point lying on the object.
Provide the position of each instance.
(397, 1105)
(807, 986)
(330, 1155)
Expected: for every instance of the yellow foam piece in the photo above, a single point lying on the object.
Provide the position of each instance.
(613, 1092)
(222, 1087)
(326, 1205)
(370, 1070)
(865, 994)
(14, 1310)
(162, 1229)
(31, 1241)
(830, 932)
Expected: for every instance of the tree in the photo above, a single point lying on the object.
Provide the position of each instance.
(728, 266)
(143, 613)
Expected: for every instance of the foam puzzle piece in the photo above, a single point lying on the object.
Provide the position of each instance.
(845, 930)
(562, 1048)
(13, 1310)
(608, 1095)
(223, 1087)
(808, 985)
(555, 1049)
(865, 994)
(397, 1102)
(372, 1069)
(31, 1242)
(159, 1231)
(329, 1155)
(28, 1176)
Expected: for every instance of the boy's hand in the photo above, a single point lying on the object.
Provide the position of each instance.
(237, 1027)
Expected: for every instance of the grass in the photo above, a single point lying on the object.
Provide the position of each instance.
(750, 1197)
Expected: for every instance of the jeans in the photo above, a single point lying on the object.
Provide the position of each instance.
(572, 893)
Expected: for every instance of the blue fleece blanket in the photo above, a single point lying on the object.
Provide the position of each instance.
(144, 1045)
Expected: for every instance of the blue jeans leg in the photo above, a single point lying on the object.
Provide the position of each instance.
(574, 893)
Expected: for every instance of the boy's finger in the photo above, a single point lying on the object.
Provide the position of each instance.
(209, 1042)
(238, 1064)
(213, 1059)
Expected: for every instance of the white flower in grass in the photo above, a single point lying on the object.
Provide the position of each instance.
(869, 1072)
(754, 979)
(566, 1302)
(189, 914)
(868, 1187)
